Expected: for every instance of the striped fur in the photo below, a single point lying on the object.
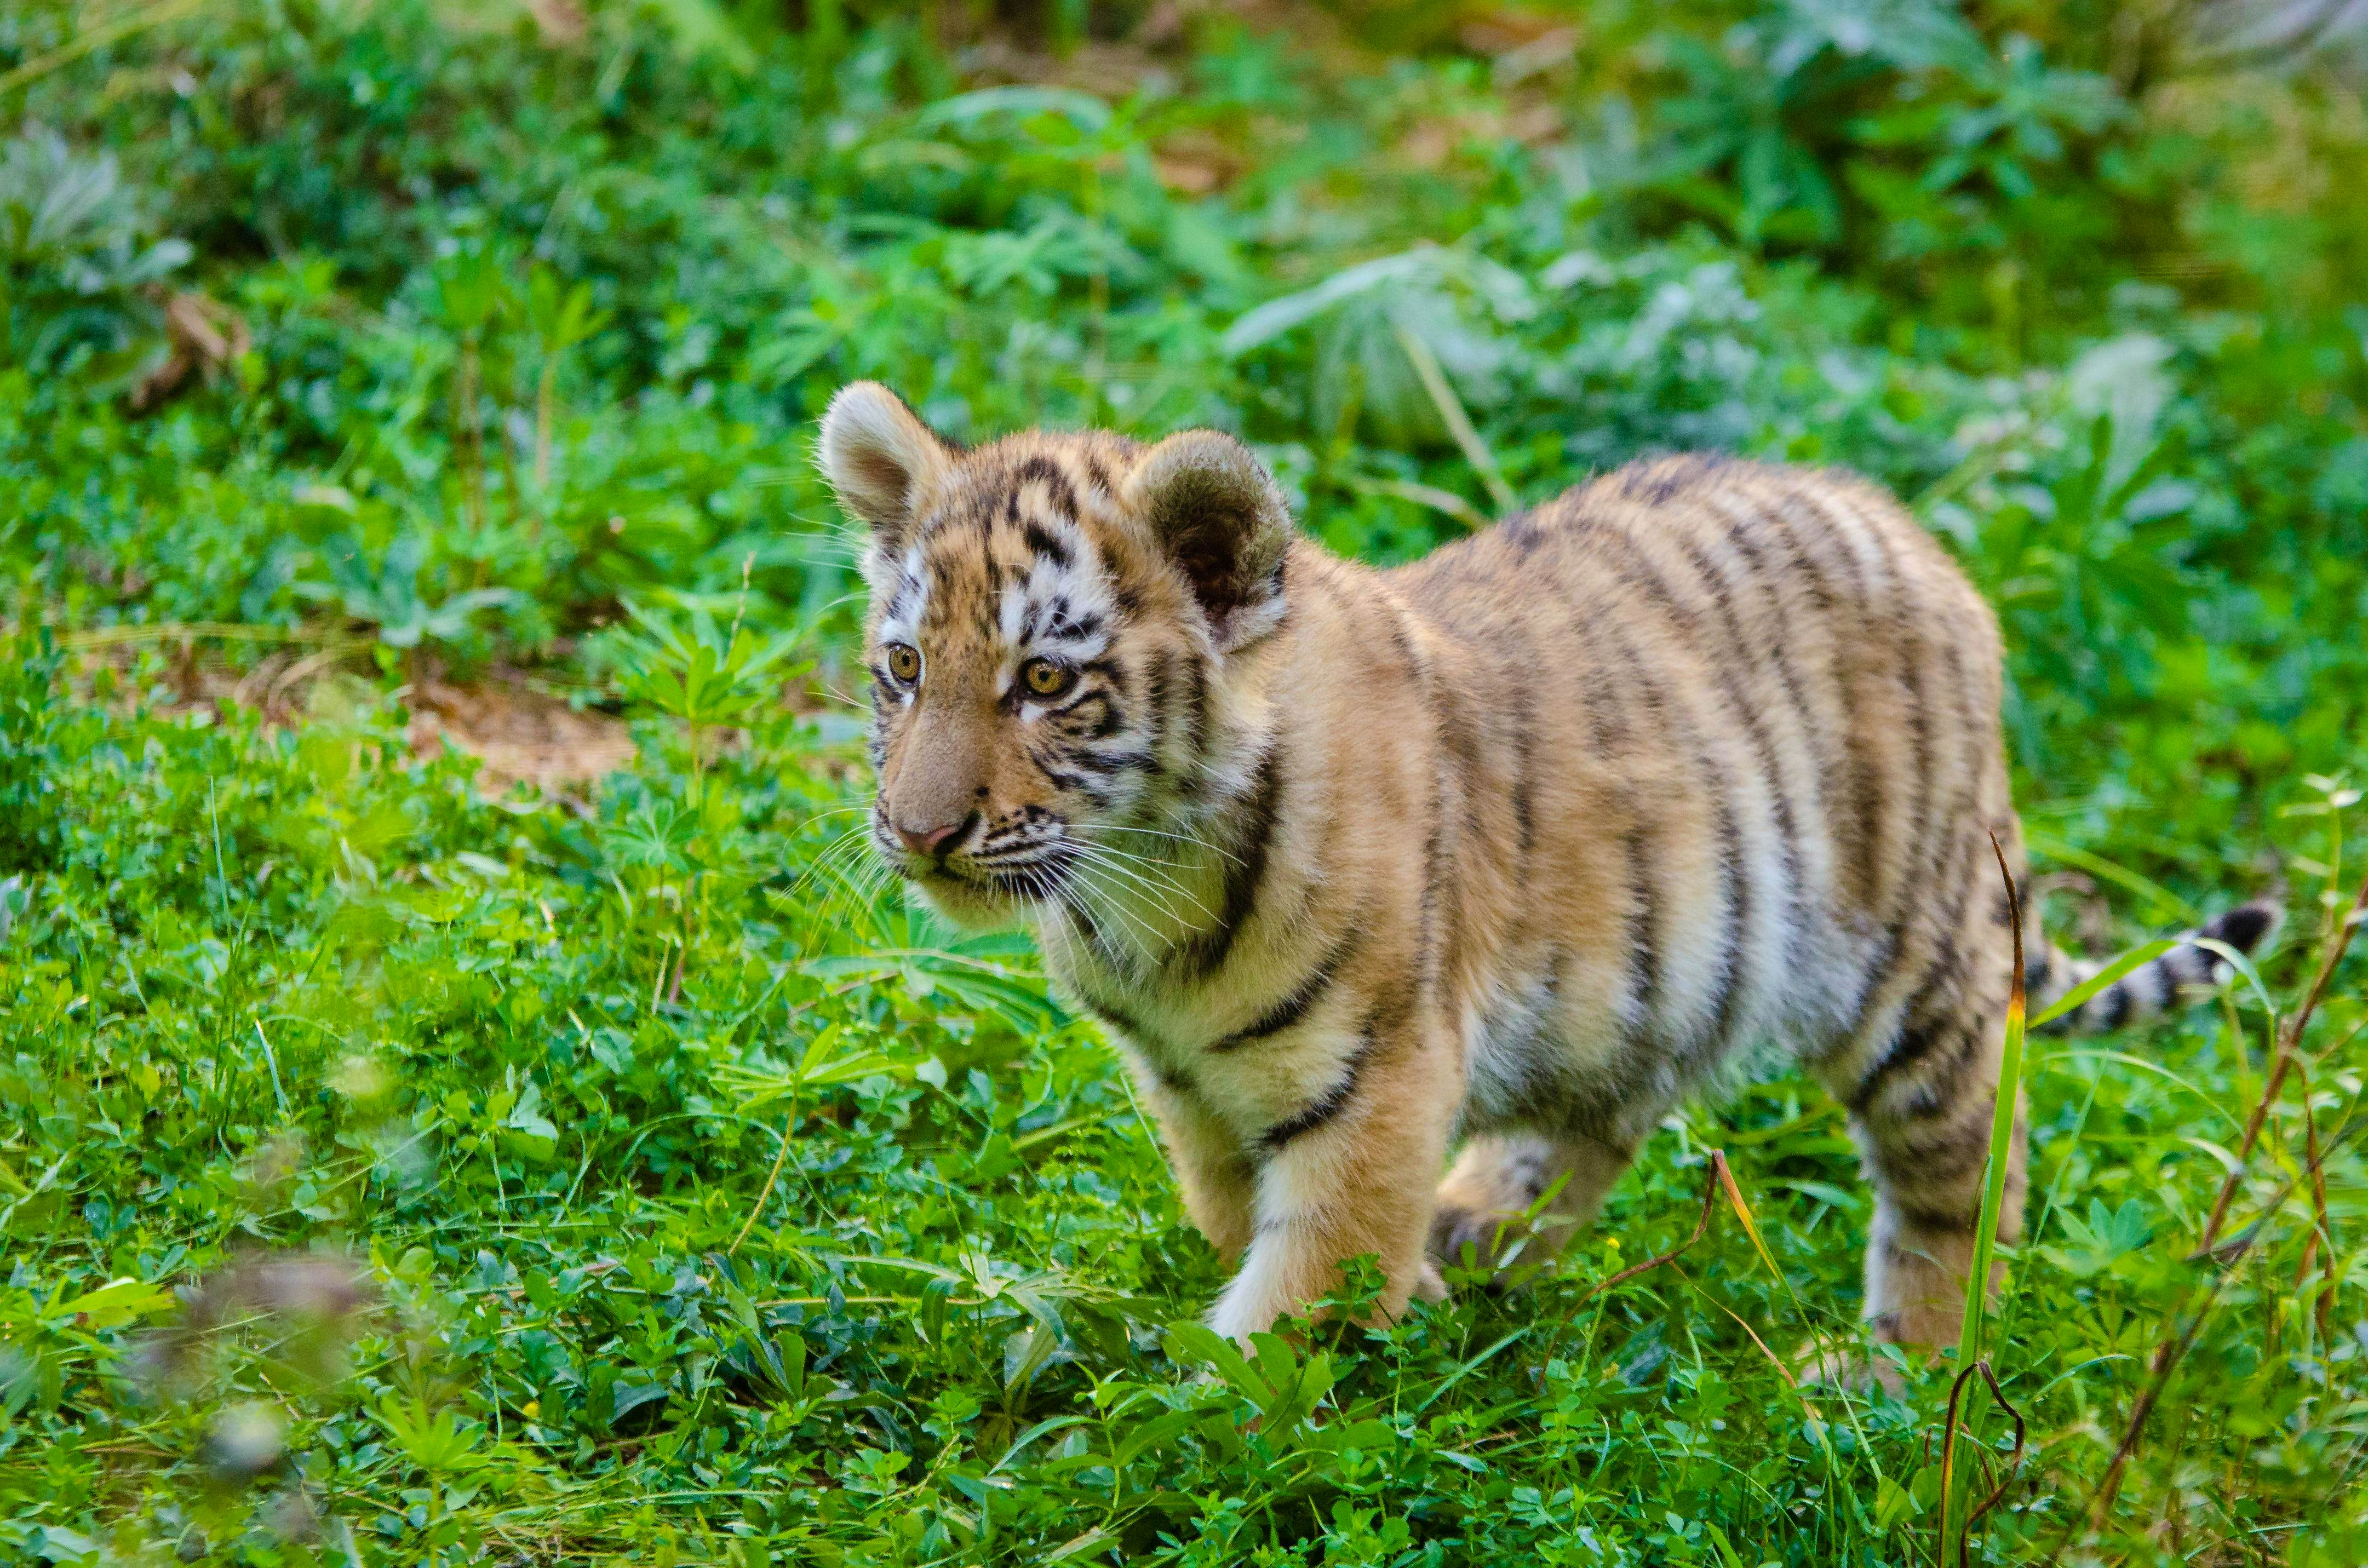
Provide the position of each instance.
(2157, 986)
(1510, 847)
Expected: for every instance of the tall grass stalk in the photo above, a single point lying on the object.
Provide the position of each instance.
(1978, 1279)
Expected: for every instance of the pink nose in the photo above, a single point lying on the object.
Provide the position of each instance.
(932, 841)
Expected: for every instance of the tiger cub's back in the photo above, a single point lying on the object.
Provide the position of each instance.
(1760, 710)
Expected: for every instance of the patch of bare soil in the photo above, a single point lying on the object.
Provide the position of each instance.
(1528, 54)
(519, 734)
(518, 731)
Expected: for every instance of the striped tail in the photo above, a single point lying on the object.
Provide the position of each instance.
(2154, 986)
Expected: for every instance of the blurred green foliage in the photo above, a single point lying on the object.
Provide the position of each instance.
(708, 1205)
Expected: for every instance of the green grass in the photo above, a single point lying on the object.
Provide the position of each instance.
(397, 1169)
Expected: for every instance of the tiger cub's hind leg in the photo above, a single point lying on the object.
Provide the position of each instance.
(1484, 1211)
(1921, 1118)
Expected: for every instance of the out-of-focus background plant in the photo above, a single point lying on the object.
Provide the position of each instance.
(465, 1089)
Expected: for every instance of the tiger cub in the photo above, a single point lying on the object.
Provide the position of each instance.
(1512, 845)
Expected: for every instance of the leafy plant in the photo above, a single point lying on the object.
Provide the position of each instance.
(562, 319)
(78, 249)
(703, 677)
(387, 594)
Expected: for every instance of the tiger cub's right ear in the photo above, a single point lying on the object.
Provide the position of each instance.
(881, 460)
(1221, 517)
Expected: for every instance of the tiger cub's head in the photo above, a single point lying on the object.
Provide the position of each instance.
(1050, 614)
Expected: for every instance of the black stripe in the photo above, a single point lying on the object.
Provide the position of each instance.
(1436, 857)
(1408, 653)
(1940, 1089)
(1607, 727)
(1736, 889)
(1113, 1016)
(1644, 941)
(1771, 771)
(1953, 1222)
(1920, 734)
(1668, 477)
(1294, 1003)
(1459, 743)
(1110, 766)
(1864, 814)
(1196, 706)
(1058, 491)
(1525, 784)
(1159, 700)
(1244, 874)
(1954, 1151)
(1921, 1021)
(1643, 913)
(1451, 722)
(1327, 1106)
(1916, 1041)
(1796, 697)
(1196, 726)
(1109, 725)
(2242, 927)
(2003, 905)
(1427, 943)
(1844, 555)
(1047, 543)
(1110, 959)
(1734, 892)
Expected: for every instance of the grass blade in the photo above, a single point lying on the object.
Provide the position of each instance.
(2072, 1000)
(1978, 1279)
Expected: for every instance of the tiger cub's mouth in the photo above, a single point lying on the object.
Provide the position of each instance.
(1036, 875)
(971, 889)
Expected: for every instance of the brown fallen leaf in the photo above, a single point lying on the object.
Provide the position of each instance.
(202, 334)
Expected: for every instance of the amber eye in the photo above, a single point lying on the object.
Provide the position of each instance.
(904, 662)
(1046, 677)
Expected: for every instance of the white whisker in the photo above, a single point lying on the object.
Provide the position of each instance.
(1183, 838)
(1103, 903)
(1154, 891)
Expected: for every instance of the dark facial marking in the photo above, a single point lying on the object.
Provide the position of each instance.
(1058, 492)
(1047, 543)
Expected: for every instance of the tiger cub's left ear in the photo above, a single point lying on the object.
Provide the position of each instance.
(1218, 514)
(883, 462)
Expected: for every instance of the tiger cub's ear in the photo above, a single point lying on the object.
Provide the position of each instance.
(881, 459)
(1218, 514)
